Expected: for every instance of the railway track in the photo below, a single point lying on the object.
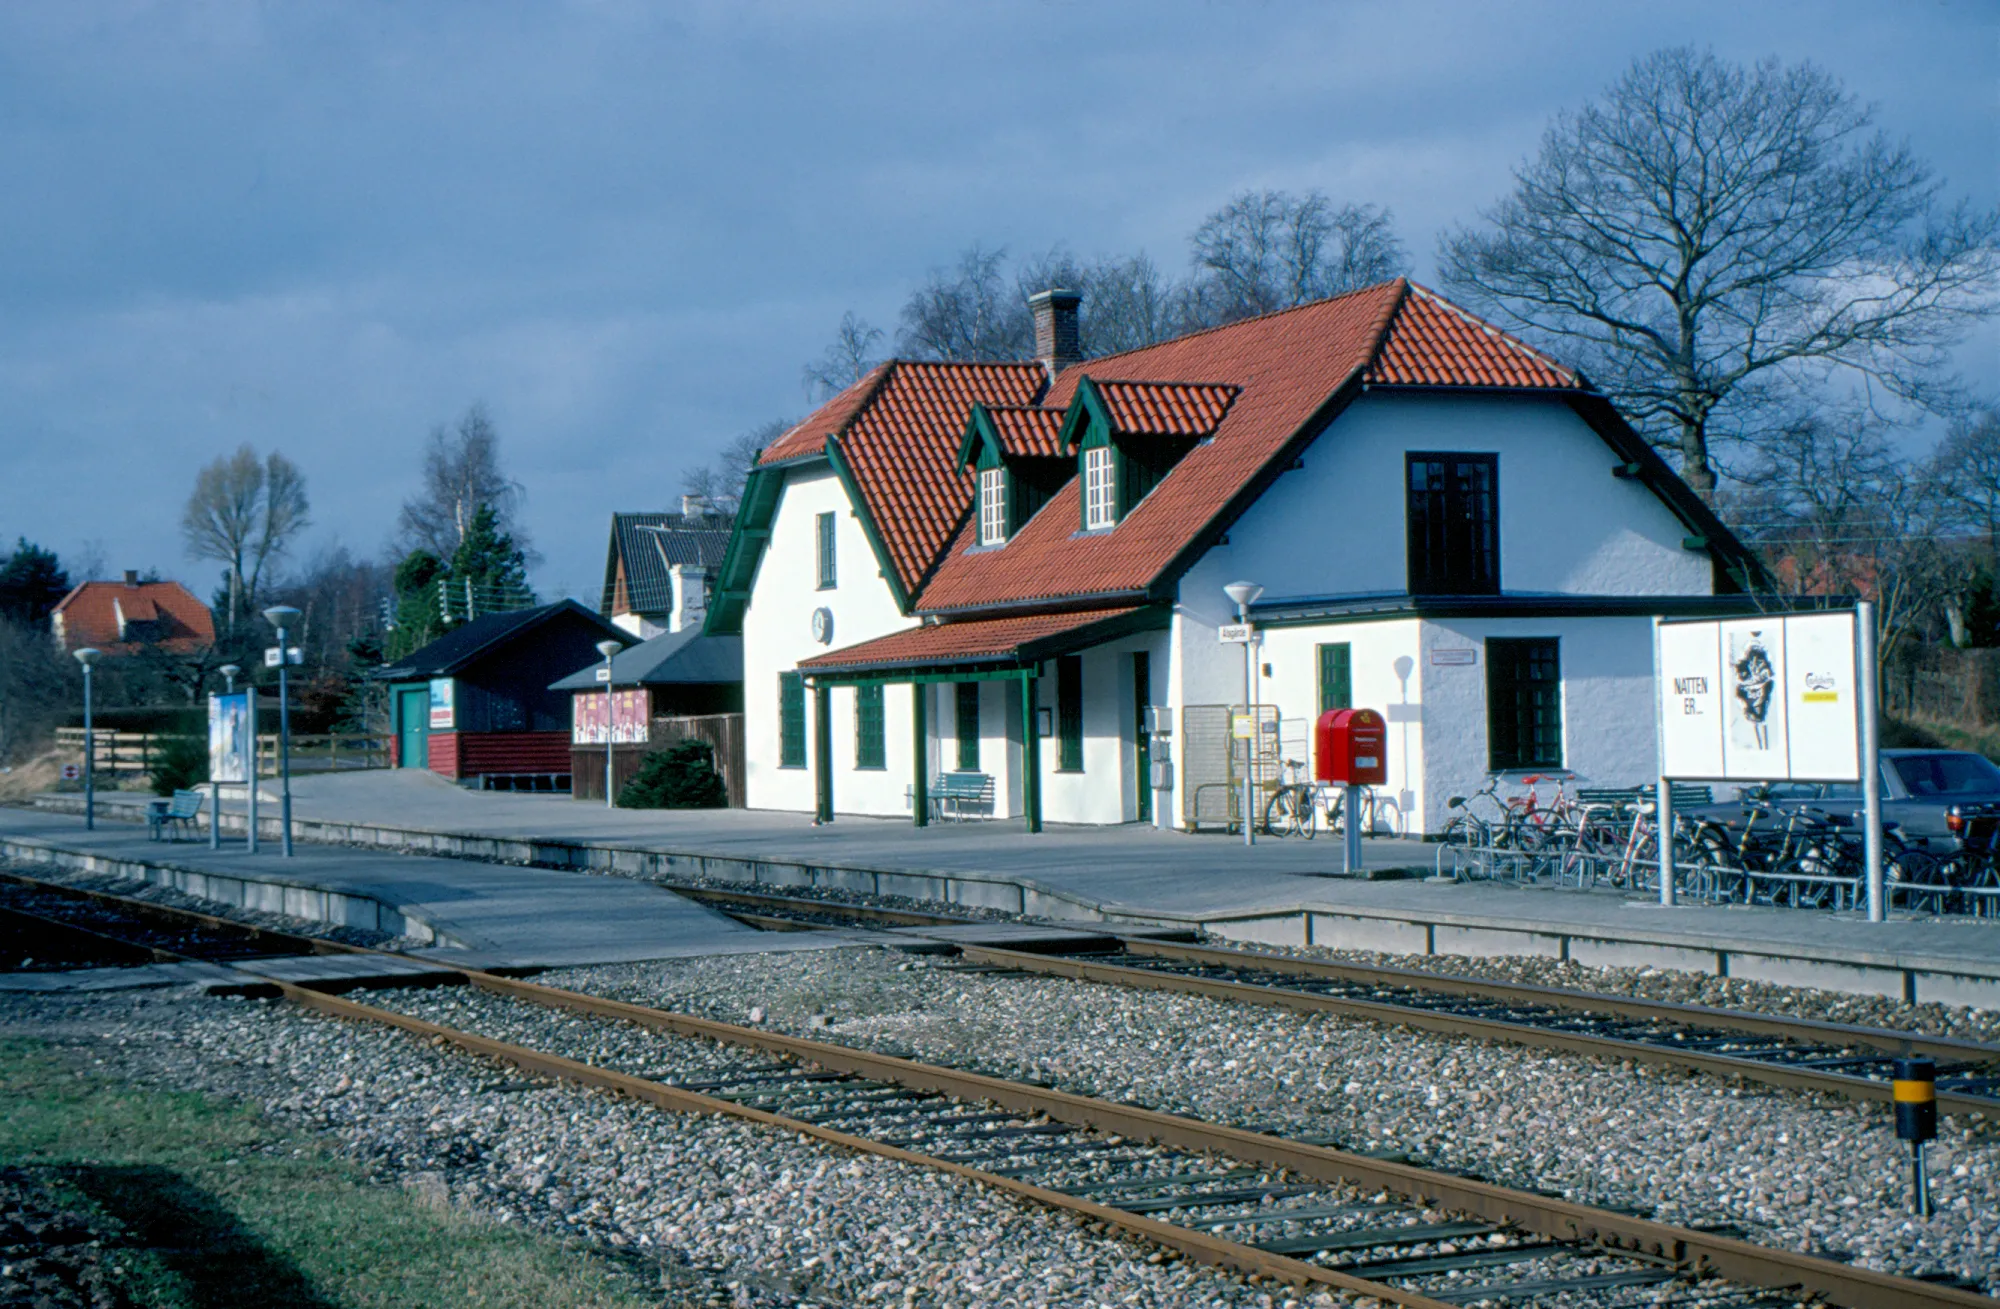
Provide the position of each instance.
(1301, 1211)
(1796, 1053)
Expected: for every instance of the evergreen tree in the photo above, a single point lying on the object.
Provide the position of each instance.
(489, 572)
(32, 582)
(420, 618)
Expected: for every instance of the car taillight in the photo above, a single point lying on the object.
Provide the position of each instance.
(1954, 821)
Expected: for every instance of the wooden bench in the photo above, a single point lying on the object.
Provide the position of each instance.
(164, 815)
(962, 795)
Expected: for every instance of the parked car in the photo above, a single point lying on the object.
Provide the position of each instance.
(1920, 790)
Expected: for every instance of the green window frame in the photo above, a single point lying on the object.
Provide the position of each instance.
(1524, 727)
(967, 723)
(1069, 714)
(829, 575)
(791, 720)
(1336, 676)
(870, 741)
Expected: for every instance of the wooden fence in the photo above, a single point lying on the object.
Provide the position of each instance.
(133, 753)
(722, 732)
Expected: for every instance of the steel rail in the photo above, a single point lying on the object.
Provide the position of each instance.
(1700, 1253)
(1889, 1040)
(1694, 1252)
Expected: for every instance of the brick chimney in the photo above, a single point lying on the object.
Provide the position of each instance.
(1057, 342)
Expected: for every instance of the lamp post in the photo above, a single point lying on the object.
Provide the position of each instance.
(88, 656)
(1245, 594)
(607, 649)
(281, 617)
(228, 672)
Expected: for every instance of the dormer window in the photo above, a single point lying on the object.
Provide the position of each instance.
(1100, 504)
(992, 506)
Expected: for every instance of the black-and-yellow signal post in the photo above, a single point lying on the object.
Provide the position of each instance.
(1915, 1090)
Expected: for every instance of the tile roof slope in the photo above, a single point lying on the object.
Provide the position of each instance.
(1287, 363)
(968, 641)
(1166, 408)
(89, 616)
(1435, 343)
(650, 543)
(1028, 431)
(898, 432)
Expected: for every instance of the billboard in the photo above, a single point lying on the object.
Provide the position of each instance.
(229, 737)
(631, 713)
(443, 704)
(1766, 699)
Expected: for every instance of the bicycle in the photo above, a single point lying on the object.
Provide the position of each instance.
(1298, 807)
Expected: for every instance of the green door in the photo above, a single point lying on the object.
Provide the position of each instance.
(413, 727)
(1142, 696)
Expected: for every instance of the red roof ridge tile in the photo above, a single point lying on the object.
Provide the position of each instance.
(1371, 289)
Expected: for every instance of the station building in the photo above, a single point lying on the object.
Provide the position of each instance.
(1015, 572)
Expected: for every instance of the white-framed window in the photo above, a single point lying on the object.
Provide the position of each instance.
(1098, 505)
(992, 506)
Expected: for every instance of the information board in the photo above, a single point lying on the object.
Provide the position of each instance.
(229, 737)
(444, 701)
(1766, 699)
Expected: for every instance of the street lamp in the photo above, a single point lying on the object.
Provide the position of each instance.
(228, 672)
(88, 656)
(607, 649)
(1245, 594)
(281, 617)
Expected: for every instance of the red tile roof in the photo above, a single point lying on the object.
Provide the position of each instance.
(978, 640)
(1165, 408)
(164, 615)
(1435, 343)
(897, 431)
(1028, 431)
(1250, 386)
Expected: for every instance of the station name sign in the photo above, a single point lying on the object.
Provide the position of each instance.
(1760, 699)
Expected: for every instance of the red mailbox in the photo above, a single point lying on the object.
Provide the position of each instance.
(1351, 746)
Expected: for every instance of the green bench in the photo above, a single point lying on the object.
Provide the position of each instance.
(960, 795)
(164, 816)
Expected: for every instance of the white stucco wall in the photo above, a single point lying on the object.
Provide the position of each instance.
(1336, 526)
(1107, 790)
(1607, 706)
(777, 634)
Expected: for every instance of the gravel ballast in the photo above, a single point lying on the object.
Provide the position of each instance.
(1812, 1173)
(736, 1214)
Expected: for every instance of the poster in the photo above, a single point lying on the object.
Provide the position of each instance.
(632, 717)
(443, 701)
(1760, 699)
(229, 737)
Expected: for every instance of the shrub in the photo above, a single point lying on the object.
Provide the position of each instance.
(682, 776)
(179, 762)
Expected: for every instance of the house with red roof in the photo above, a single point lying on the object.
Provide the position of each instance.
(126, 617)
(1017, 570)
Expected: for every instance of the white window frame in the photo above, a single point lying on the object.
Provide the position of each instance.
(1099, 503)
(992, 506)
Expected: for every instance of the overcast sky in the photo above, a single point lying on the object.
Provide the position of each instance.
(325, 228)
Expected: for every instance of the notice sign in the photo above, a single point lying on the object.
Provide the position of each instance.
(229, 737)
(444, 702)
(1760, 699)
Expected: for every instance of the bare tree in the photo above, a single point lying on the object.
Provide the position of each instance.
(968, 312)
(720, 483)
(1964, 475)
(846, 361)
(462, 474)
(1705, 235)
(1268, 250)
(244, 513)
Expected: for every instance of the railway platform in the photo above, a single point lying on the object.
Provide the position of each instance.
(1281, 892)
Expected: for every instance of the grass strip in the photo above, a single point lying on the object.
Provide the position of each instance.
(210, 1205)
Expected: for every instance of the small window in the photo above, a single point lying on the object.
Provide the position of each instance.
(1336, 676)
(1099, 489)
(992, 506)
(828, 576)
(1453, 520)
(869, 751)
(968, 727)
(791, 720)
(1524, 703)
(1069, 714)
